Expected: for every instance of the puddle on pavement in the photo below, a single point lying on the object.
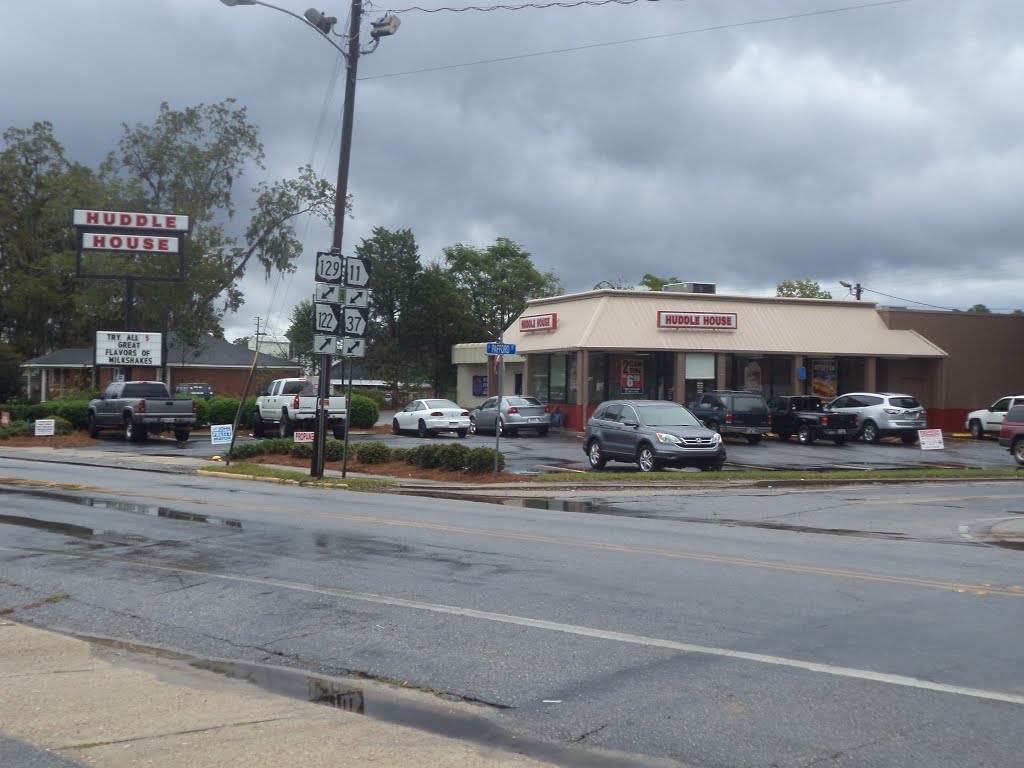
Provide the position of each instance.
(149, 510)
(67, 529)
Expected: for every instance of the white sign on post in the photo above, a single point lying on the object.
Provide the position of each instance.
(220, 434)
(931, 439)
(303, 437)
(46, 427)
(129, 348)
(352, 347)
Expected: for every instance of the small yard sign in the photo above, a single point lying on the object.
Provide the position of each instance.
(45, 427)
(931, 439)
(220, 434)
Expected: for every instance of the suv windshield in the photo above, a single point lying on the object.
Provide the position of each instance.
(667, 416)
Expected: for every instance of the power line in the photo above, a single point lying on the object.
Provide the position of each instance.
(698, 30)
(520, 7)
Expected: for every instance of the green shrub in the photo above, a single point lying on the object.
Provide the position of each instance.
(302, 450)
(379, 396)
(374, 452)
(362, 412)
(75, 412)
(62, 426)
(454, 456)
(278, 445)
(400, 454)
(427, 455)
(246, 450)
(334, 450)
(482, 460)
(222, 410)
(203, 413)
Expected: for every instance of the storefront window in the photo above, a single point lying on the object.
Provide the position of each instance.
(700, 375)
(571, 379)
(597, 384)
(556, 379)
(539, 377)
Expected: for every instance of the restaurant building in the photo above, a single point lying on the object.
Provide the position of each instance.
(581, 349)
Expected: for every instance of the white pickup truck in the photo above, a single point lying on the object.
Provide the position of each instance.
(290, 404)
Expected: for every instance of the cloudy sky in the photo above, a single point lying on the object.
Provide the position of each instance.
(738, 142)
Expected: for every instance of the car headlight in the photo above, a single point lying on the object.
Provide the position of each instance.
(664, 437)
(716, 438)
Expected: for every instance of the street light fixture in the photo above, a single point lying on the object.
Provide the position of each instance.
(324, 24)
(856, 288)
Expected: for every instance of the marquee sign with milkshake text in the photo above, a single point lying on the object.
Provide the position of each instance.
(538, 322)
(697, 321)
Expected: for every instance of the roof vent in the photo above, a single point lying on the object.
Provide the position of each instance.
(689, 287)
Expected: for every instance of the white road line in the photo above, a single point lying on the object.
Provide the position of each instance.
(572, 629)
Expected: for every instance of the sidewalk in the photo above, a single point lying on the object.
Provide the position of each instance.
(69, 705)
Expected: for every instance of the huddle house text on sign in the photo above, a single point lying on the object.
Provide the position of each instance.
(697, 321)
(133, 232)
(538, 322)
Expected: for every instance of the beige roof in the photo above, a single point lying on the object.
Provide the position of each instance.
(628, 320)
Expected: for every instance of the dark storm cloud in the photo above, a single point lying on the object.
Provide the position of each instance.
(881, 145)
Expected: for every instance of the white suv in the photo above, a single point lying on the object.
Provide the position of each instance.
(883, 414)
(991, 419)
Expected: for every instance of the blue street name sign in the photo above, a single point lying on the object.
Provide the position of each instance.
(494, 348)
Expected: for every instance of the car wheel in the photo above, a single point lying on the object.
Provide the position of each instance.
(472, 426)
(804, 435)
(181, 435)
(841, 440)
(909, 438)
(1018, 450)
(94, 431)
(543, 432)
(595, 456)
(645, 459)
(976, 430)
(133, 433)
(421, 429)
(395, 429)
(753, 439)
(500, 427)
(870, 432)
(784, 436)
(257, 425)
(462, 432)
(339, 432)
(284, 427)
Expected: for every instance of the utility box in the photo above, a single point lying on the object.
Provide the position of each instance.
(690, 287)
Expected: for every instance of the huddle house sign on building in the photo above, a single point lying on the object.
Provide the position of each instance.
(581, 349)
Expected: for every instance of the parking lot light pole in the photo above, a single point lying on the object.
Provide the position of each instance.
(323, 24)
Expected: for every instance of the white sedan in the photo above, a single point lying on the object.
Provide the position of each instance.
(429, 417)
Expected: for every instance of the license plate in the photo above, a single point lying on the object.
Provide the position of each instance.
(534, 419)
(453, 423)
(750, 430)
(841, 431)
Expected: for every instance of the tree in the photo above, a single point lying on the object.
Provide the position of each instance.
(618, 284)
(188, 162)
(300, 334)
(654, 283)
(396, 267)
(802, 289)
(980, 309)
(497, 282)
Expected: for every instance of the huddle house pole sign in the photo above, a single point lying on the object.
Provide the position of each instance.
(130, 246)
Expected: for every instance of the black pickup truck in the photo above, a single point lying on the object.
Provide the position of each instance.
(806, 417)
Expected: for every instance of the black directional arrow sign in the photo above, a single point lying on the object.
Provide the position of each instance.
(352, 347)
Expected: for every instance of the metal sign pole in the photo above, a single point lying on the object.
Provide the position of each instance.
(497, 423)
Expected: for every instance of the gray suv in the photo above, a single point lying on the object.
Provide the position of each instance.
(653, 434)
(883, 414)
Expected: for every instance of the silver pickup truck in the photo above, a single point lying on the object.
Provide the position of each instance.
(290, 404)
(139, 407)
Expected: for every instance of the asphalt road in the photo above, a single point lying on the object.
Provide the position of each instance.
(849, 627)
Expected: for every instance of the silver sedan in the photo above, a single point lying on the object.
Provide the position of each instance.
(429, 417)
(517, 412)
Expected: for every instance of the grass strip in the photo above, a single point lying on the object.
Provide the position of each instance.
(290, 476)
(809, 476)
